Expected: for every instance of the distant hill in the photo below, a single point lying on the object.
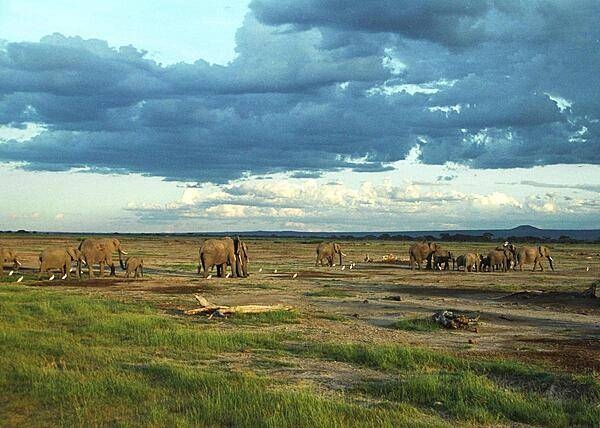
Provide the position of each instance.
(522, 233)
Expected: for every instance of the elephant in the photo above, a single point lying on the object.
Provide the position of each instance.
(327, 251)
(223, 252)
(134, 266)
(242, 266)
(511, 254)
(100, 250)
(59, 258)
(8, 255)
(422, 251)
(472, 262)
(535, 255)
(499, 259)
(443, 257)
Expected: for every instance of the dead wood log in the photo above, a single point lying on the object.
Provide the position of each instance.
(208, 308)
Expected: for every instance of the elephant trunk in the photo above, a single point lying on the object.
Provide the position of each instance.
(341, 263)
(550, 260)
(121, 262)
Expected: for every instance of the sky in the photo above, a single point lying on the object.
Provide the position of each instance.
(310, 115)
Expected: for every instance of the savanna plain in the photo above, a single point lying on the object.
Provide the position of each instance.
(358, 348)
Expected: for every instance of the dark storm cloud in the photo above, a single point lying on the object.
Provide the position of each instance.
(321, 85)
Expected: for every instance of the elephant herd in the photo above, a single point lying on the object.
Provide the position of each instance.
(220, 253)
(99, 251)
(501, 258)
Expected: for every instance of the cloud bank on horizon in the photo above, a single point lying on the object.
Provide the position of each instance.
(318, 87)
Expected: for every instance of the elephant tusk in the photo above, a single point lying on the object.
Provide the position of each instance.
(123, 252)
(18, 262)
(551, 259)
(344, 254)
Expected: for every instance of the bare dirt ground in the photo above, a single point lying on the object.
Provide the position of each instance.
(551, 326)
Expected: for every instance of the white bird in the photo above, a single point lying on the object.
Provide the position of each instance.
(11, 272)
(275, 271)
(587, 269)
(260, 270)
(209, 276)
(295, 275)
(351, 266)
(64, 276)
(51, 278)
(333, 264)
(20, 279)
(228, 275)
(343, 267)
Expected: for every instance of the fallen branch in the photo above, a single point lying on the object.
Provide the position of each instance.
(210, 309)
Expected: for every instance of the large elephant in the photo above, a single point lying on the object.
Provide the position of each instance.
(327, 251)
(421, 251)
(100, 251)
(223, 252)
(242, 265)
(8, 255)
(59, 258)
(533, 255)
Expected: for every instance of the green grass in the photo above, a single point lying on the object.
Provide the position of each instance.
(417, 324)
(74, 359)
(480, 391)
(274, 317)
(77, 360)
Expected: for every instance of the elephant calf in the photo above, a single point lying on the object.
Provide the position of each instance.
(442, 259)
(59, 258)
(134, 266)
(8, 255)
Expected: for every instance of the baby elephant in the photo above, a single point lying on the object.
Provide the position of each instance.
(135, 266)
(58, 258)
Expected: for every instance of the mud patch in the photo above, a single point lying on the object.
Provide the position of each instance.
(576, 355)
(565, 301)
(179, 289)
(86, 283)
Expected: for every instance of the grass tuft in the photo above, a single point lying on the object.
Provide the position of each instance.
(417, 324)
